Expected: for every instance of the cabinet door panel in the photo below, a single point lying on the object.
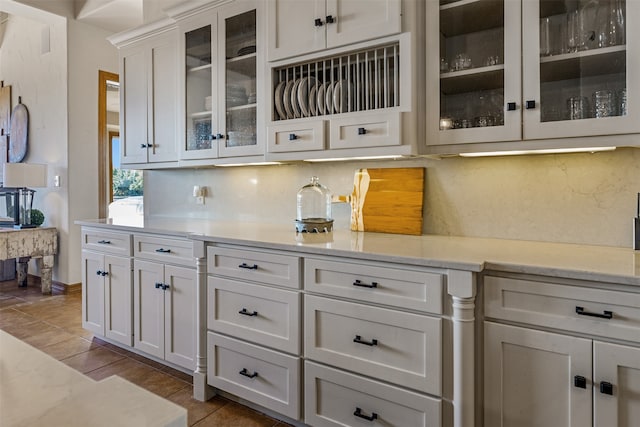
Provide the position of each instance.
(133, 75)
(118, 294)
(362, 20)
(291, 27)
(529, 378)
(92, 292)
(180, 316)
(148, 309)
(620, 366)
(163, 117)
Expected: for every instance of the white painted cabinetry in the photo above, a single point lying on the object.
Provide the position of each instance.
(164, 299)
(107, 285)
(300, 27)
(493, 83)
(253, 322)
(148, 96)
(585, 372)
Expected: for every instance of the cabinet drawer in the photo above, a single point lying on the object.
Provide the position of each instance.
(173, 251)
(263, 267)
(332, 398)
(399, 347)
(556, 306)
(370, 130)
(111, 242)
(375, 283)
(303, 136)
(262, 376)
(256, 313)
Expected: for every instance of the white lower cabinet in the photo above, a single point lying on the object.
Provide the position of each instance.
(266, 377)
(107, 291)
(534, 377)
(164, 311)
(338, 398)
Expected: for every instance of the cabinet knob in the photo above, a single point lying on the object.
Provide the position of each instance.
(104, 273)
(511, 106)
(293, 137)
(98, 273)
(358, 413)
(158, 285)
(606, 388)
(580, 381)
(246, 373)
(165, 287)
(362, 131)
(330, 19)
(318, 22)
(530, 104)
(220, 136)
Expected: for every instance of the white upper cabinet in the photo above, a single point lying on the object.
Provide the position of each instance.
(149, 98)
(222, 51)
(539, 73)
(303, 26)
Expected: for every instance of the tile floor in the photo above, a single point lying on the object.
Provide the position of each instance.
(53, 325)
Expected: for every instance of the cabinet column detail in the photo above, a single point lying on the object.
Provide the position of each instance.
(462, 288)
(201, 391)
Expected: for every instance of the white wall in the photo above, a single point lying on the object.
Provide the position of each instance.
(574, 198)
(41, 80)
(89, 52)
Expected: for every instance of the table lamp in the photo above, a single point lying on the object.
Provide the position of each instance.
(20, 177)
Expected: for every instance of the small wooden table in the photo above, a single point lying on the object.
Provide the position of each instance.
(25, 243)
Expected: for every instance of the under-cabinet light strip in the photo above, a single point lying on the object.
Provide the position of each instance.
(541, 151)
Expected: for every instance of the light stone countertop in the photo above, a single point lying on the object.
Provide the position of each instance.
(583, 262)
(38, 390)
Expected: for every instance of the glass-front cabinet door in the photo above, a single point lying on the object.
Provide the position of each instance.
(581, 68)
(238, 81)
(222, 51)
(200, 56)
(477, 70)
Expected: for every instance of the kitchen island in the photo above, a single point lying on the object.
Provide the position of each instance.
(422, 288)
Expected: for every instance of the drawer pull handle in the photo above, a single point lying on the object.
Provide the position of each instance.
(605, 314)
(248, 267)
(362, 131)
(163, 251)
(606, 388)
(104, 242)
(358, 413)
(358, 339)
(246, 373)
(245, 312)
(580, 381)
(364, 285)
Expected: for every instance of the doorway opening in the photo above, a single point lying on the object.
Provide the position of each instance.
(120, 190)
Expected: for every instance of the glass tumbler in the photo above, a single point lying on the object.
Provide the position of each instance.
(573, 31)
(545, 36)
(578, 107)
(604, 103)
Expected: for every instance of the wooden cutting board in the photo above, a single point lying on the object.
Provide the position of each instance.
(388, 200)
(5, 108)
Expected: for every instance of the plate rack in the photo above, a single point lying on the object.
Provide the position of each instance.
(358, 81)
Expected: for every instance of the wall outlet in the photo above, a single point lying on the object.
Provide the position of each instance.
(56, 181)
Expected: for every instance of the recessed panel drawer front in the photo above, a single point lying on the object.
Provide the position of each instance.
(173, 251)
(371, 130)
(602, 312)
(262, 267)
(261, 314)
(262, 376)
(106, 241)
(337, 398)
(304, 136)
(398, 347)
(410, 289)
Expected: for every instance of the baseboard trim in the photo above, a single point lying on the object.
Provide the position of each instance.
(66, 288)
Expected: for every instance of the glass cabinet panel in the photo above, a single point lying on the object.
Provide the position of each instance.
(471, 64)
(582, 60)
(199, 119)
(240, 80)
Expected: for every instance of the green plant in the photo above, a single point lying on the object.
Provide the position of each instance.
(37, 217)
